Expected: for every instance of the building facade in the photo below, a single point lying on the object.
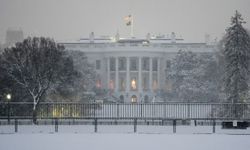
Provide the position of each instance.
(134, 70)
(13, 36)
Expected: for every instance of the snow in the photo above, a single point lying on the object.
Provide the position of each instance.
(121, 137)
(119, 141)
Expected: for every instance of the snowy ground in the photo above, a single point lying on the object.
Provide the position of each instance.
(82, 137)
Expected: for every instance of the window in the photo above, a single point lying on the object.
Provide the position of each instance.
(155, 84)
(122, 64)
(133, 84)
(111, 85)
(112, 64)
(133, 64)
(98, 64)
(146, 99)
(98, 83)
(145, 64)
(122, 84)
(155, 64)
(145, 83)
(133, 99)
(122, 98)
(168, 64)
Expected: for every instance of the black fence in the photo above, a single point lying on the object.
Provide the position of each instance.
(135, 114)
(179, 111)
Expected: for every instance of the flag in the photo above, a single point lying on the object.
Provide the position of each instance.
(128, 20)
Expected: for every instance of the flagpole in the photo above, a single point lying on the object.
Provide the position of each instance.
(132, 27)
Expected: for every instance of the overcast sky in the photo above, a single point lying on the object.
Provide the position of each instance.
(73, 19)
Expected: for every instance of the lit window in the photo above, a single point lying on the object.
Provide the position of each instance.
(133, 99)
(155, 85)
(111, 85)
(122, 84)
(98, 83)
(133, 84)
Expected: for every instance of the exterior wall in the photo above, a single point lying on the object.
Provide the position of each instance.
(109, 55)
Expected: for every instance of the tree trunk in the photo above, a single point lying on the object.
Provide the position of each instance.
(34, 114)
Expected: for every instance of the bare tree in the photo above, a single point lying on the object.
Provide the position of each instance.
(37, 65)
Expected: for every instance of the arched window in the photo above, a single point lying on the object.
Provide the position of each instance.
(146, 99)
(133, 99)
(122, 98)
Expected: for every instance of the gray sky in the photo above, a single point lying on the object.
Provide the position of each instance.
(72, 19)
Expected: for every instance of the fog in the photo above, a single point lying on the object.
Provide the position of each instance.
(73, 19)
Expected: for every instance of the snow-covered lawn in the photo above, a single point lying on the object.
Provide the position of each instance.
(27, 129)
(82, 137)
(107, 141)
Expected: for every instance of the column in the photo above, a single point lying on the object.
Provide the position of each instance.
(158, 72)
(116, 75)
(150, 74)
(127, 76)
(140, 76)
(108, 73)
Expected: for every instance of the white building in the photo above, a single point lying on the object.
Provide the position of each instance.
(133, 70)
(13, 36)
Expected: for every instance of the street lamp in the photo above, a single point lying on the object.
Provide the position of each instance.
(8, 96)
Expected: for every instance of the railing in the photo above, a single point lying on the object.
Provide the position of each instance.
(192, 111)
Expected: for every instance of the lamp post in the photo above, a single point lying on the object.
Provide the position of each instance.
(8, 97)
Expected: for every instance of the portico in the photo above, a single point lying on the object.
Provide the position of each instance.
(133, 78)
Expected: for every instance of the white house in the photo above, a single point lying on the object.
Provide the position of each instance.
(133, 69)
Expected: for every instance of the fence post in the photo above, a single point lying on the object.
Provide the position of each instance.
(16, 125)
(141, 110)
(165, 112)
(174, 126)
(47, 110)
(214, 124)
(117, 111)
(95, 122)
(94, 109)
(56, 125)
(135, 125)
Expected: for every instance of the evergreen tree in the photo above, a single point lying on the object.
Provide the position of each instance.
(237, 55)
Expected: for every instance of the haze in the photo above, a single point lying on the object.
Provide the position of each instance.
(73, 19)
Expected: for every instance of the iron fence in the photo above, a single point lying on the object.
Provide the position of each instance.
(127, 110)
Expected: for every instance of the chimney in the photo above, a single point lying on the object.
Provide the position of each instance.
(117, 37)
(92, 37)
(173, 37)
(148, 37)
(207, 39)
